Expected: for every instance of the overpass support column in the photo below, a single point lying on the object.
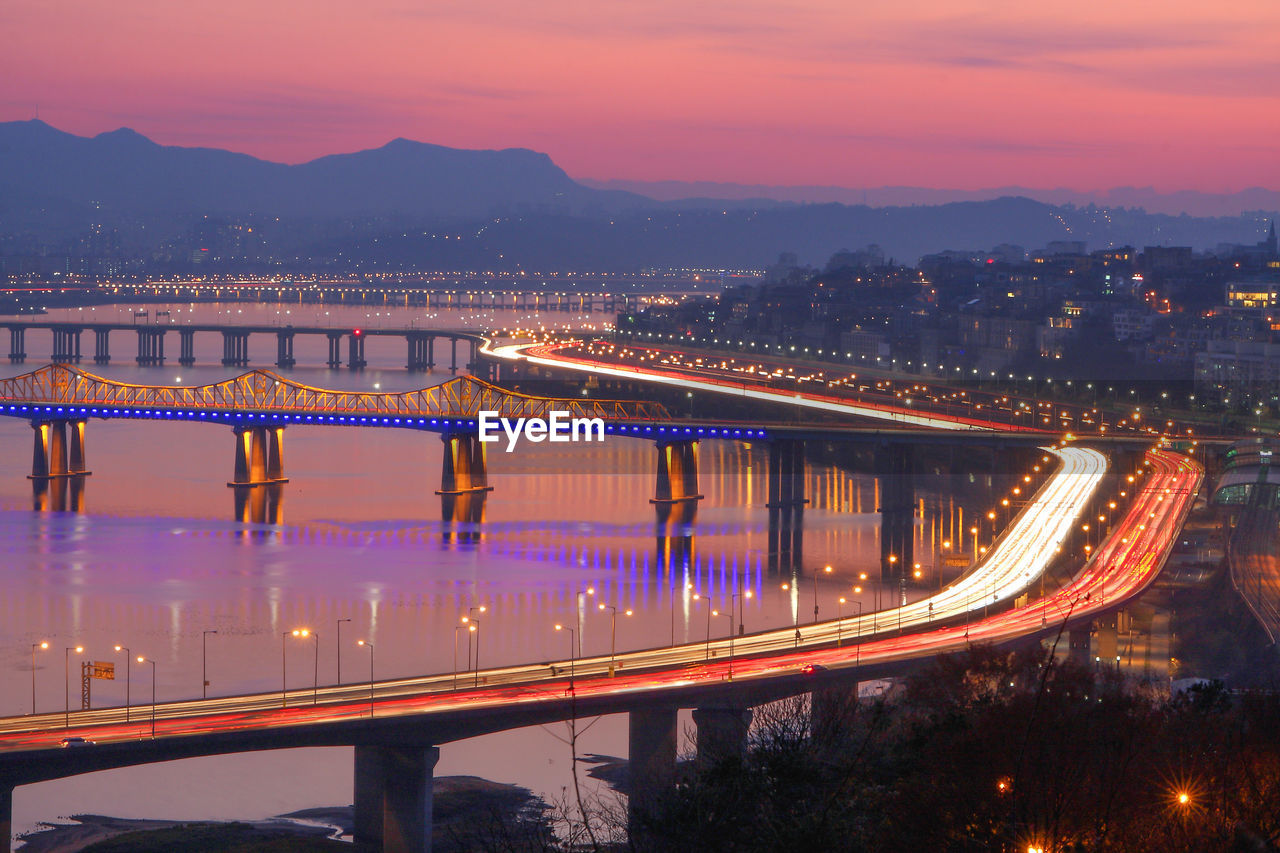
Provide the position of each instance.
(259, 458)
(831, 711)
(431, 353)
(393, 797)
(677, 472)
(6, 815)
(75, 451)
(453, 355)
(651, 758)
(355, 351)
(464, 469)
(722, 733)
(895, 470)
(335, 349)
(186, 347)
(40, 452)
(284, 349)
(101, 346)
(17, 345)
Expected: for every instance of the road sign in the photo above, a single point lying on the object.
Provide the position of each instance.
(104, 669)
(956, 561)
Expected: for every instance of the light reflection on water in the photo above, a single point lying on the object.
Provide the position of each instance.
(155, 556)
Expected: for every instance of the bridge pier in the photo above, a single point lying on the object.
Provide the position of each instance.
(284, 350)
(831, 710)
(453, 355)
(393, 799)
(786, 502)
(677, 472)
(187, 347)
(417, 357)
(6, 815)
(259, 456)
(66, 346)
(235, 349)
(355, 351)
(651, 759)
(464, 469)
(101, 346)
(53, 455)
(17, 345)
(150, 346)
(335, 349)
(895, 471)
(722, 733)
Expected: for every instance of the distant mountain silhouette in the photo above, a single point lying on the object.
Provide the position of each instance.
(1191, 202)
(518, 210)
(123, 171)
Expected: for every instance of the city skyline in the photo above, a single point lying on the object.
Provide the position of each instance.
(810, 94)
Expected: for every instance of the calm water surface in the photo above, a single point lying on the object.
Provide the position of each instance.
(155, 552)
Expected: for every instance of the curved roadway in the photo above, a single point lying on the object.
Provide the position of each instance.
(1122, 566)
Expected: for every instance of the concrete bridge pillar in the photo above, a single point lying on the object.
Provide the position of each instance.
(831, 710)
(677, 472)
(651, 757)
(393, 797)
(335, 349)
(453, 355)
(17, 345)
(75, 448)
(186, 347)
(355, 350)
(101, 346)
(259, 456)
(786, 474)
(895, 471)
(464, 468)
(284, 350)
(6, 815)
(66, 346)
(150, 346)
(722, 733)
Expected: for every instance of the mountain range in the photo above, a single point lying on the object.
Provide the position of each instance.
(385, 207)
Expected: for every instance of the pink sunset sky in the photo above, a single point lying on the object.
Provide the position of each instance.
(1176, 95)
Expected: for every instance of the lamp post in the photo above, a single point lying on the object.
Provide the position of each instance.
(744, 594)
(828, 570)
(315, 677)
(613, 632)
(572, 658)
(475, 631)
(339, 630)
(128, 661)
(284, 639)
(786, 587)
(66, 681)
(369, 646)
(204, 663)
(35, 646)
(730, 615)
(141, 659)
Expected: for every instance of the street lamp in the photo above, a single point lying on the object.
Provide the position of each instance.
(613, 632)
(141, 659)
(66, 680)
(204, 663)
(339, 624)
(128, 661)
(369, 646)
(456, 629)
(284, 637)
(572, 657)
(35, 646)
(742, 629)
